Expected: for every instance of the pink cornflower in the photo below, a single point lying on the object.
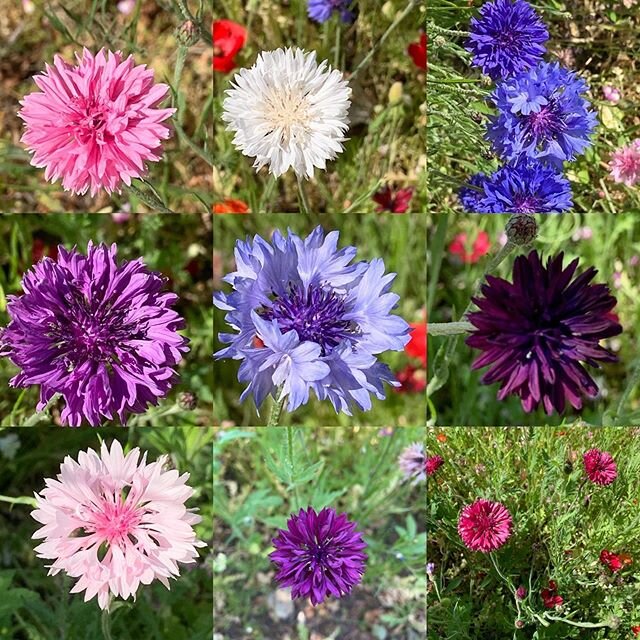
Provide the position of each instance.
(115, 522)
(625, 164)
(484, 525)
(433, 464)
(96, 124)
(600, 467)
(611, 94)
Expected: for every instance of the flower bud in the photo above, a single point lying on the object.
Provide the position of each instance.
(187, 34)
(395, 93)
(521, 229)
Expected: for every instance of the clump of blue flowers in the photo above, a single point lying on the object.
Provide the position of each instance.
(305, 318)
(321, 10)
(542, 119)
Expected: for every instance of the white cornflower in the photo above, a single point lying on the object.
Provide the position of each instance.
(288, 112)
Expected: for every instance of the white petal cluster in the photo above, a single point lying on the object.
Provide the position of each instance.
(287, 111)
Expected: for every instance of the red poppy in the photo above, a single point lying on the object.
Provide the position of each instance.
(417, 346)
(418, 52)
(636, 630)
(394, 201)
(550, 596)
(480, 247)
(228, 38)
(43, 247)
(229, 205)
(411, 380)
(611, 560)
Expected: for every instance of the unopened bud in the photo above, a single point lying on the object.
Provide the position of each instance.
(521, 229)
(395, 93)
(187, 401)
(187, 34)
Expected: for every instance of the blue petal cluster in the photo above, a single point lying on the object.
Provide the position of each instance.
(305, 318)
(508, 37)
(471, 197)
(542, 114)
(321, 10)
(527, 186)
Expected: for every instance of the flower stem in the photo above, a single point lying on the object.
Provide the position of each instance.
(449, 328)
(304, 205)
(106, 624)
(405, 12)
(631, 385)
(276, 410)
(584, 625)
(296, 506)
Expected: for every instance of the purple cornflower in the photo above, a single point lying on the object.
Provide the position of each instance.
(101, 334)
(542, 114)
(527, 186)
(307, 319)
(537, 332)
(321, 10)
(508, 37)
(471, 198)
(319, 555)
(413, 462)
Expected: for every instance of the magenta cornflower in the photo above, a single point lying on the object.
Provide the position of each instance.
(100, 333)
(484, 525)
(115, 521)
(625, 164)
(97, 124)
(319, 555)
(433, 463)
(413, 462)
(600, 466)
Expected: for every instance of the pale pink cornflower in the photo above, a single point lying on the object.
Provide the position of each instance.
(611, 93)
(126, 6)
(96, 124)
(412, 462)
(116, 522)
(625, 164)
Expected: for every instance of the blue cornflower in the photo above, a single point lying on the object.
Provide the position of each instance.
(508, 37)
(306, 319)
(542, 114)
(321, 10)
(527, 186)
(470, 198)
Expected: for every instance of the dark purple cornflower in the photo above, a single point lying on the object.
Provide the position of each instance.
(527, 186)
(321, 10)
(542, 114)
(508, 37)
(319, 555)
(396, 201)
(101, 334)
(307, 320)
(537, 332)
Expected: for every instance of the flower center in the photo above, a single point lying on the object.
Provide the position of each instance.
(315, 314)
(546, 123)
(287, 112)
(89, 119)
(114, 522)
(526, 204)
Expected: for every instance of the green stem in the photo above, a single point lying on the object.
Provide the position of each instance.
(365, 493)
(106, 624)
(295, 486)
(32, 502)
(583, 625)
(406, 11)
(276, 410)
(631, 385)
(304, 205)
(266, 194)
(177, 72)
(150, 199)
(449, 328)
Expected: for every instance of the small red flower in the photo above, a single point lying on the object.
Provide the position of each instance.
(417, 346)
(611, 560)
(411, 380)
(394, 201)
(229, 205)
(480, 247)
(432, 464)
(600, 467)
(418, 52)
(636, 630)
(228, 38)
(550, 597)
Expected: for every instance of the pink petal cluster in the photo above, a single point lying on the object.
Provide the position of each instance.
(484, 525)
(115, 522)
(600, 467)
(625, 164)
(95, 125)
